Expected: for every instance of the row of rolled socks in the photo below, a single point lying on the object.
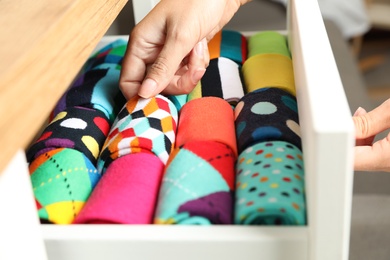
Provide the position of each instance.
(227, 153)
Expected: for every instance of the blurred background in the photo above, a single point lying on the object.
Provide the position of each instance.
(359, 34)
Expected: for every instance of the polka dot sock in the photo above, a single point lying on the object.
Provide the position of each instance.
(143, 125)
(126, 193)
(97, 85)
(198, 185)
(269, 114)
(228, 44)
(270, 185)
(78, 128)
(222, 79)
(62, 181)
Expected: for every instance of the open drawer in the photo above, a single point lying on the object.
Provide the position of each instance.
(327, 143)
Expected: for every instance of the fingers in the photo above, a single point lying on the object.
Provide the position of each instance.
(134, 65)
(163, 70)
(373, 122)
(363, 141)
(132, 74)
(198, 60)
(373, 158)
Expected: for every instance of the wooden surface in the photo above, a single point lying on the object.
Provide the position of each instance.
(43, 44)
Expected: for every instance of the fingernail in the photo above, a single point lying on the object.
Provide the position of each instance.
(199, 49)
(198, 75)
(147, 88)
(359, 111)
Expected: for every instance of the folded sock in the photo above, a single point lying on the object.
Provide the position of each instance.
(178, 100)
(228, 44)
(97, 85)
(79, 128)
(126, 193)
(268, 114)
(269, 70)
(143, 125)
(62, 181)
(222, 79)
(270, 185)
(268, 42)
(207, 119)
(198, 185)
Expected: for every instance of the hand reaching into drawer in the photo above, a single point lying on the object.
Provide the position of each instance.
(370, 155)
(169, 46)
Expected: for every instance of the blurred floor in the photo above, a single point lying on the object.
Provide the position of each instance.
(374, 61)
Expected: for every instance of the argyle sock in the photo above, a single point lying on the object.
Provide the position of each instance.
(207, 119)
(62, 181)
(126, 193)
(79, 128)
(143, 125)
(270, 185)
(268, 42)
(268, 114)
(222, 79)
(97, 85)
(198, 185)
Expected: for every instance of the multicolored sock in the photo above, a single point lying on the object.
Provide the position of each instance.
(178, 100)
(62, 181)
(268, 42)
(207, 119)
(143, 125)
(97, 86)
(268, 114)
(83, 129)
(270, 186)
(228, 44)
(269, 70)
(127, 192)
(198, 185)
(222, 79)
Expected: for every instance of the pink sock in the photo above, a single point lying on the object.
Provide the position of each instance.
(126, 193)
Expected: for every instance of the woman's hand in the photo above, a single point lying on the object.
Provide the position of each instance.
(167, 50)
(371, 156)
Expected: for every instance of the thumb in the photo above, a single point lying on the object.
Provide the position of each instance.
(163, 70)
(371, 123)
(365, 141)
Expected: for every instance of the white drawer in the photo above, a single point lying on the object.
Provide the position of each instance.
(327, 142)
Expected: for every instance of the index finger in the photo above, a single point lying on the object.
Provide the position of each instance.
(132, 73)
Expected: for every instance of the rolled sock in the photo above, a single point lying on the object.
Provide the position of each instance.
(268, 42)
(268, 114)
(62, 181)
(79, 128)
(178, 100)
(126, 193)
(97, 85)
(270, 185)
(207, 119)
(222, 79)
(198, 185)
(143, 125)
(269, 70)
(228, 44)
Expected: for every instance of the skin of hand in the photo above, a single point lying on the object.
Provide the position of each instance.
(167, 50)
(370, 155)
